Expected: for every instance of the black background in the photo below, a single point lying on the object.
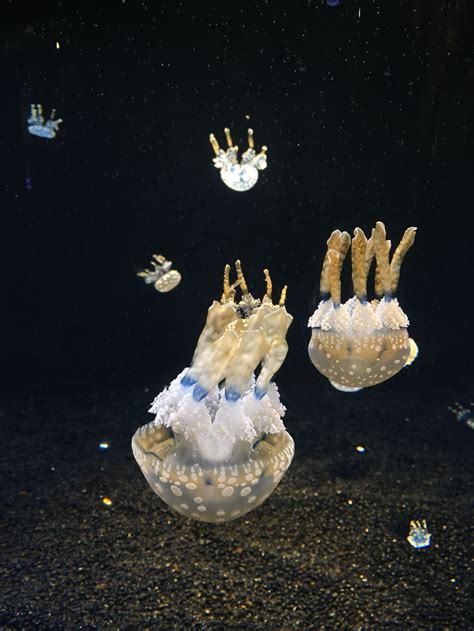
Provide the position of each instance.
(365, 118)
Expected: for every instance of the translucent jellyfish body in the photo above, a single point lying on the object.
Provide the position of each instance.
(37, 126)
(361, 343)
(243, 175)
(218, 447)
(164, 278)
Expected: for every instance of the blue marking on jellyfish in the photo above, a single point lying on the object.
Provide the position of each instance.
(199, 393)
(188, 381)
(231, 395)
(259, 393)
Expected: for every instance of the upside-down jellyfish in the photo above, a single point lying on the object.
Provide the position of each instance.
(361, 343)
(37, 126)
(218, 447)
(243, 175)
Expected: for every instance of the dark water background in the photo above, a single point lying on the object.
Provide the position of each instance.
(367, 109)
(365, 118)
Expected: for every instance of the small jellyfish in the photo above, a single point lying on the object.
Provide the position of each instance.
(218, 447)
(333, 3)
(162, 276)
(37, 125)
(418, 535)
(361, 343)
(238, 176)
(463, 414)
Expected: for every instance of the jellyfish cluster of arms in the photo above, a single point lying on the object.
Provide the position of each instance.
(218, 447)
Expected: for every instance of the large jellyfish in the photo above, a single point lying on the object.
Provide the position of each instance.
(361, 343)
(243, 175)
(218, 447)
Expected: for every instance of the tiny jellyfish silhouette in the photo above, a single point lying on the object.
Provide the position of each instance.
(361, 343)
(38, 126)
(218, 447)
(243, 175)
(333, 3)
(162, 276)
(418, 535)
(463, 414)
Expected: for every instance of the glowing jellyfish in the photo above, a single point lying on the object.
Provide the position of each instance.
(360, 343)
(218, 447)
(37, 125)
(162, 276)
(243, 175)
(418, 535)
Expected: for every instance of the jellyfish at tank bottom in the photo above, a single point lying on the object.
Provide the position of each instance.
(243, 175)
(418, 535)
(162, 276)
(37, 126)
(361, 343)
(218, 447)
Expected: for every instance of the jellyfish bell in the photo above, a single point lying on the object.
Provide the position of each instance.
(360, 343)
(218, 447)
(243, 175)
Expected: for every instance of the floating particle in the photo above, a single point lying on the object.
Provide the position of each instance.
(418, 536)
(107, 501)
(104, 445)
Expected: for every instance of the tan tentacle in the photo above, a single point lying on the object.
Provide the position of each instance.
(334, 276)
(383, 282)
(340, 242)
(398, 256)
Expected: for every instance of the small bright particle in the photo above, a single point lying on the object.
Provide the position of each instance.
(107, 501)
(104, 445)
(360, 449)
(57, 45)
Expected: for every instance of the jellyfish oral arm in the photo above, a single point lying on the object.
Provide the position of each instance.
(231, 347)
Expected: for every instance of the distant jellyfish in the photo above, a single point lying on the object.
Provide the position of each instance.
(358, 343)
(333, 3)
(162, 276)
(418, 535)
(243, 175)
(37, 126)
(218, 446)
